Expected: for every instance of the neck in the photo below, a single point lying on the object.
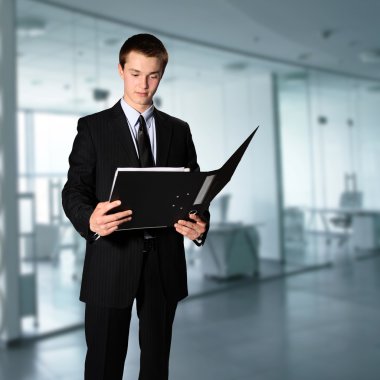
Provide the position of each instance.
(138, 107)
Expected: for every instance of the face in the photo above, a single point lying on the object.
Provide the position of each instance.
(141, 76)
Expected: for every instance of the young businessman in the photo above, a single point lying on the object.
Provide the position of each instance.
(121, 266)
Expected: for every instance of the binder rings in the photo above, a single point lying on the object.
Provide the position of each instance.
(159, 197)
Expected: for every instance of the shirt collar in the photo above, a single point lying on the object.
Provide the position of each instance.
(132, 115)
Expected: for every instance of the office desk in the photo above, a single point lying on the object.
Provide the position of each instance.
(231, 249)
(364, 230)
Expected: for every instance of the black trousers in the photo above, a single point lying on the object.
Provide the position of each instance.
(107, 331)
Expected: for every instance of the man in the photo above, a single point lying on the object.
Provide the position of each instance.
(121, 266)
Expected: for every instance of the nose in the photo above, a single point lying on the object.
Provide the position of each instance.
(144, 82)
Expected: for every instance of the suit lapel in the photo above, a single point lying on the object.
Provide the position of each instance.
(123, 134)
(163, 136)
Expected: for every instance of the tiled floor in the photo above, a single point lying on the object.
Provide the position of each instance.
(59, 283)
(321, 324)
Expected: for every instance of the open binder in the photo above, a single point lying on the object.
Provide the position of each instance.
(159, 197)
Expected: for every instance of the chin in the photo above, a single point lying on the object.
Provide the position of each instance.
(141, 100)
(145, 102)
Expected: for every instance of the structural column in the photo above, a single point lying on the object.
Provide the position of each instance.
(9, 250)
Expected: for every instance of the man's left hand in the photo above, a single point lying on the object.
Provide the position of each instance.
(191, 229)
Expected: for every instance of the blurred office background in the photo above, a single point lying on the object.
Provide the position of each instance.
(303, 200)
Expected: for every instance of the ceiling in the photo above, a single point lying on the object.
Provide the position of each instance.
(338, 35)
(65, 55)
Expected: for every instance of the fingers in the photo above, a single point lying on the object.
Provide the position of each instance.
(103, 219)
(106, 224)
(110, 205)
(197, 218)
(190, 229)
(108, 232)
(106, 206)
(106, 229)
(186, 231)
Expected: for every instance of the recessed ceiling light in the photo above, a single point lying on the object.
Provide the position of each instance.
(370, 56)
(322, 120)
(327, 33)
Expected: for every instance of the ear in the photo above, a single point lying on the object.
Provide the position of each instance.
(120, 69)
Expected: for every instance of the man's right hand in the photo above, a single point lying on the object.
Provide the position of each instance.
(104, 224)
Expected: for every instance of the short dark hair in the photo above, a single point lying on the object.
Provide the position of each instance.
(146, 44)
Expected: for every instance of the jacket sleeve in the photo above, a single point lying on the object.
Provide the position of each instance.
(78, 194)
(192, 163)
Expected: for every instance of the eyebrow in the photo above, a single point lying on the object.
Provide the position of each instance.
(138, 71)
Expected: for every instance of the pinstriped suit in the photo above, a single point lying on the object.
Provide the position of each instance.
(113, 264)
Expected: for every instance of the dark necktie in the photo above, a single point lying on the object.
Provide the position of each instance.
(143, 145)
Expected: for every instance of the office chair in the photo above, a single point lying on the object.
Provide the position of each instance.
(350, 199)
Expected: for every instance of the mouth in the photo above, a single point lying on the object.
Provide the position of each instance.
(142, 93)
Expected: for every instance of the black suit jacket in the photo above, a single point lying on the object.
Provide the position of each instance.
(113, 263)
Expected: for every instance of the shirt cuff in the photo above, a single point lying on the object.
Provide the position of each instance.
(199, 239)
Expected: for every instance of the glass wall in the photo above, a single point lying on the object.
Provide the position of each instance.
(67, 67)
(329, 129)
(51, 252)
(315, 129)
